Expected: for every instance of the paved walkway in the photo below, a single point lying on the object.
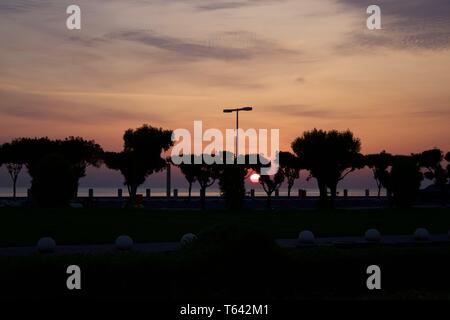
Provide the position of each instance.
(342, 242)
(393, 240)
(90, 249)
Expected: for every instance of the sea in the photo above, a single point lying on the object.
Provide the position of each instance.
(112, 192)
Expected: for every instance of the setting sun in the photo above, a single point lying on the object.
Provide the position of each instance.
(254, 178)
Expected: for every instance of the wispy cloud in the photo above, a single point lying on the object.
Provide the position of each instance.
(180, 46)
(432, 113)
(234, 4)
(20, 6)
(407, 24)
(227, 46)
(309, 111)
(40, 107)
(15, 6)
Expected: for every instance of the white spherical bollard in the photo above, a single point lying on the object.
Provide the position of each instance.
(372, 235)
(421, 234)
(187, 239)
(46, 245)
(306, 237)
(124, 242)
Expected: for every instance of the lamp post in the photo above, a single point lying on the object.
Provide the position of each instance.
(237, 122)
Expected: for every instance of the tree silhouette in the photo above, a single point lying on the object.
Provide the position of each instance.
(80, 153)
(141, 156)
(54, 182)
(290, 166)
(329, 157)
(34, 149)
(269, 183)
(232, 183)
(380, 164)
(431, 160)
(447, 158)
(13, 155)
(405, 180)
(206, 175)
(188, 170)
(231, 179)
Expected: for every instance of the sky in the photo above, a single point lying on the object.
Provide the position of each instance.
(300, 64)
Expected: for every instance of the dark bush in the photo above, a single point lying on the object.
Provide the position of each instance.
(54, 183)
(405, 181)
(234, 261)
(232, 186)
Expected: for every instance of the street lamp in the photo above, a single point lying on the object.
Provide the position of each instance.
(237, 122)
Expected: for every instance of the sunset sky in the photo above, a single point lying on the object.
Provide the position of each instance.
(301, 64)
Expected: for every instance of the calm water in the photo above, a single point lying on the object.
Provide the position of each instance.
(105, 192)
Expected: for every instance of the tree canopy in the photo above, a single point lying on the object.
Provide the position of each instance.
(54, 183)
(80, 153)
(290, 166)
(447, 158)
(269, 183)
(329, 156)
(380, 164)
(13, 155)
(405, 179)
(141, 156)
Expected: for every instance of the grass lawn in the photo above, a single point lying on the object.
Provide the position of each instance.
(20, 227)
(318, 273)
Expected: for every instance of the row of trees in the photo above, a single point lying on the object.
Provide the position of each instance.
(401, 176)
(56, 166)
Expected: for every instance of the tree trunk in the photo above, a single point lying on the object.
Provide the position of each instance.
(132, 190)
(444, 193)
(322, 190)
(389, 196)
(203, 197)
(76, 191)
(289, 190)
(14, 188)
(190, 191)
(333, 189)
(14, 171)
(269, 200)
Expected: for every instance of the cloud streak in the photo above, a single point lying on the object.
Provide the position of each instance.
(308, 111)
(227, 46)
(407, 25)
(18, 6)
(38, 107)
(234, 4)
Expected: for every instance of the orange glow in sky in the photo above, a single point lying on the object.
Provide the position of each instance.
(301, 64)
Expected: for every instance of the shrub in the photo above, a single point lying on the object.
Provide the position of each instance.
(233, 261)
(54, 183)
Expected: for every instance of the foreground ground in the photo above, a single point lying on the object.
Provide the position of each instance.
(235, 257)
(23, 227)
(319, 273)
